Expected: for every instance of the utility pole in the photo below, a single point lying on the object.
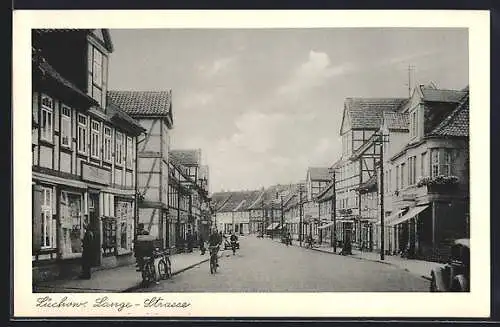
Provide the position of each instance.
(410, 69)
(232, 221)
(382, 210)
(300, 214)
(282, 217)
(333, 237)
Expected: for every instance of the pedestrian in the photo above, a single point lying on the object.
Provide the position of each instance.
(87, 245)
(202, 244)
(189, 241)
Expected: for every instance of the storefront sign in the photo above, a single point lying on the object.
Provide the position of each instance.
(95, 174)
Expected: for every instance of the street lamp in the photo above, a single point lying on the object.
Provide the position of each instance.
(382, 133)
(333, 236)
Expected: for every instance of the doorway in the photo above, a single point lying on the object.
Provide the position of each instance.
(94, 225)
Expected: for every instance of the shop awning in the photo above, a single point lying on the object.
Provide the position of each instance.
(272, 226)
(410, 214)
(392, 217)
(326, 225)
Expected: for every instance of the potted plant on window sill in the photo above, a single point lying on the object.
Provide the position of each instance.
(439, 184)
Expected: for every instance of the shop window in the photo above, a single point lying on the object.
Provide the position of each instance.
(109, 235)
(82, 134)
(48, 235)
(47, 116)
(65, 126)
(71, 223)
(125, 219)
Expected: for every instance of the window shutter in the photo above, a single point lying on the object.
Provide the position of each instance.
(37, 217)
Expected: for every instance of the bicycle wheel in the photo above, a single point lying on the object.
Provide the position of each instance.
(162, 269)
(213, 267)
(168, 268)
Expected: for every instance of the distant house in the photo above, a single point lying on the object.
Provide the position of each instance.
(233, 210)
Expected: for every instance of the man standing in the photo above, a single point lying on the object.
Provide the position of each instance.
(87, 244)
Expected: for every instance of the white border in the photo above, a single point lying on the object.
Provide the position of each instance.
(474, 304)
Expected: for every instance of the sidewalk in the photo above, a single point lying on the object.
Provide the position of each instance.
(420, 268)
(119, 279)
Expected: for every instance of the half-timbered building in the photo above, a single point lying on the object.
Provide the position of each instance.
(83, 163)
(153, 110)
(362, 118)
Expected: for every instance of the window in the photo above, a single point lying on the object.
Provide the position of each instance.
(412, 171)
(446, 162)
(46, 113)
(125, 219)
(107, 144)
(65, 126)
(119, 148)
(48, 234)
(397, 178)
(95, 145)
(71, 223)
(82, 134)
(109, 234)
(423, 164)
(402, 179)
(435, 162)
(130, 151)
(97, 75)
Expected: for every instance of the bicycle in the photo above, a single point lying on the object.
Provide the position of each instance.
(152, 272)
(213, 258)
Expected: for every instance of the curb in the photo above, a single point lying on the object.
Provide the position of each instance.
(360, 258)
(138, 286)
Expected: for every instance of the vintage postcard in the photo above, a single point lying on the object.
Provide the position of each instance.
(243, 163)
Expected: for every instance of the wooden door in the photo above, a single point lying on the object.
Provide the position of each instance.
(94, 225)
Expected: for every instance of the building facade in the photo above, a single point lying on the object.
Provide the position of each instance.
(84, 158)
(426, 187)
(153, 109)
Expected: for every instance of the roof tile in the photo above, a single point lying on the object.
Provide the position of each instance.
(366, 113)
(143, 103)
(457, 122)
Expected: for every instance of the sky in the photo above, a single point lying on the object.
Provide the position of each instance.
(263, 105)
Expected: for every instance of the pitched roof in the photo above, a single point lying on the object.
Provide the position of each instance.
(319, 173)
(105, 32)
(325, 194)
(438, 95)
(457, 122)
(186, 157)
(143, 103)
(239, 201)
(366, 113)
(396, 121)
(116, 114)
(43, 68)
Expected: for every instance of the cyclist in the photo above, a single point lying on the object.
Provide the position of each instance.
(233, 240)
(214, 241)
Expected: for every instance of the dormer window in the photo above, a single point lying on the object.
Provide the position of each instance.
(97, 75)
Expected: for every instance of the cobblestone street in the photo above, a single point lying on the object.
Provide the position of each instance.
(264, 265)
